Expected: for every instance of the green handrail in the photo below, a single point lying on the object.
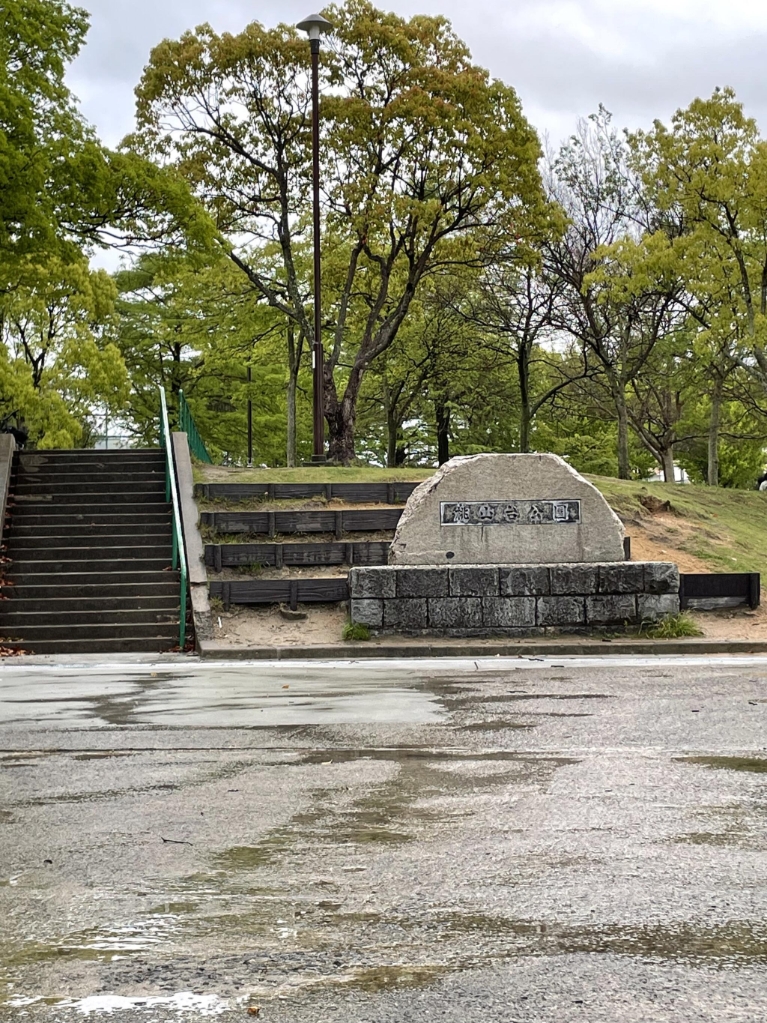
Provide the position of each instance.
(188, 426)
(171, 495)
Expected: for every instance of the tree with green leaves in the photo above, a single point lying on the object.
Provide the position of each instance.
(61, 195)
(60, 364)
(708, 172)
(427, 163)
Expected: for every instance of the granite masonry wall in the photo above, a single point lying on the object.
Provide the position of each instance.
(473, 600)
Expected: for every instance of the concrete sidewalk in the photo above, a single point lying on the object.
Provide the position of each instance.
(433, 648)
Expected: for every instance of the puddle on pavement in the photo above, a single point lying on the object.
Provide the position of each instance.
(749, 765)
(461, 698)
(495, 725)
(737, 942)
(174, 908)
(90, 946)
(97, 795)
(35, 954)
(182, 1002)
(104, 754)
(402, 754)
(420, 799)
(384, 978)
(719, 839)
(244, 857)
(428, 793)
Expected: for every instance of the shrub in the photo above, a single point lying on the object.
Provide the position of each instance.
(353, 630)
(674, 627)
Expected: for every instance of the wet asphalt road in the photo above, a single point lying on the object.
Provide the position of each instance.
(430, 841)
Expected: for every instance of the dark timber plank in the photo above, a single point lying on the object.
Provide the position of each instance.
(353, 493)
(719, 589)
(281, 591)
(355, 520)
(218, 556)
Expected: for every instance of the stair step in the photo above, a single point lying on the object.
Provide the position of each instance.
(33, 571)
(12, 621)
(98, 499)
(81, 578)
(87, 472)
(166, 603)
(17, 545)
(158, 584)
(124, 559)
(135, 526)
(48, 455)
(88, 630)
(135, 518)
(95, 485)
(116, 645)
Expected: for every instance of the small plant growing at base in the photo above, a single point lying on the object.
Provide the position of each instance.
(216, 605)
(673, 627)
(353, 630)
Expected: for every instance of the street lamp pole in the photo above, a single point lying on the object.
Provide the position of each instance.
(250, 418)
(316, 26)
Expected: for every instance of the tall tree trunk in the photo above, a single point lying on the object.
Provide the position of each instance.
(442, 414)
(525, 422)
(668, 465)
(293, 367)
(341, 415)
(712, 469)
(525, 418)
(619, 399)
(392, 436)
(389, 402)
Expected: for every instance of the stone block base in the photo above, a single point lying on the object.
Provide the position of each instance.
(518, 600)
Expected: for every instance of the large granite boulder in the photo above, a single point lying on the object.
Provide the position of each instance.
(507, 509)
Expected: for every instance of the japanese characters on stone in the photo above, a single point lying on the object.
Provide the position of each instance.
(510, 513)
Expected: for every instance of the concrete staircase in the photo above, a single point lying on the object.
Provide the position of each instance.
(87, 554)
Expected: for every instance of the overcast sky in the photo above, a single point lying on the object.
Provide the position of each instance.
(641, 58)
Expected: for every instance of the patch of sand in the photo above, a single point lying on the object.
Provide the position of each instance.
(659, 538)
(736, 623)
(265, 626)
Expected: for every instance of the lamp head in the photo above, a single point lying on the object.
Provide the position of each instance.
(315, 26)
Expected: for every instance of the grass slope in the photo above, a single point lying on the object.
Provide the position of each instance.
(309, 474)
(729, 527)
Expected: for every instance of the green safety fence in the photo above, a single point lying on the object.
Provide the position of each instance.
(188, 426)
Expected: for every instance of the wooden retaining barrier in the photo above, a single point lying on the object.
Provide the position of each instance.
(708, 591)
(272, 523)
(280, 555)
(281, 591)
(352, 493)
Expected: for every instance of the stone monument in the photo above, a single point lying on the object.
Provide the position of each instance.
(496, 509)
(510, 544)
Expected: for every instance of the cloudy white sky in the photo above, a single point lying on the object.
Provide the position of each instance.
(641, 58)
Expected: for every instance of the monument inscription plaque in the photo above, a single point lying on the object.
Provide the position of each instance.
(509, 513)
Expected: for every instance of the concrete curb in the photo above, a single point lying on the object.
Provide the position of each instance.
(213, 650)
(194, 546)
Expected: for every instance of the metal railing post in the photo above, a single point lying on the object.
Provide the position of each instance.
(171, 490)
